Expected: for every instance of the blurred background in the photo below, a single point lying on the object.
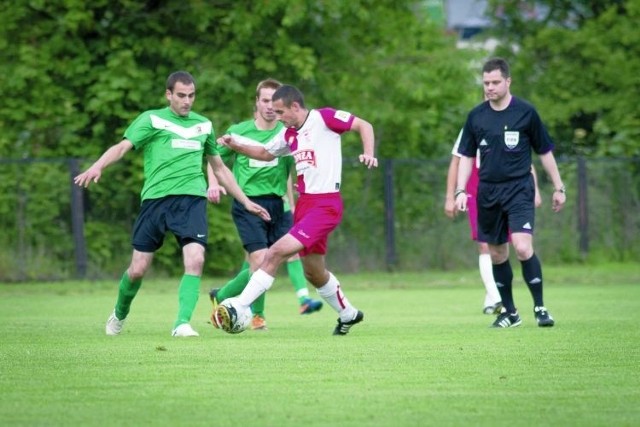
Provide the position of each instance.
(76, 73)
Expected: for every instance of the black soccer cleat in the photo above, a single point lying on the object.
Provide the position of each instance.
(342, 328)
(543, 317)
(506, 320)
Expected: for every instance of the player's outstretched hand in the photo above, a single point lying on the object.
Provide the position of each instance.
(450, 208)
(214, 192)
(369, 161)
(256, 209)
(557, 201)
(461, 202)
(88, 176)
(225, 140)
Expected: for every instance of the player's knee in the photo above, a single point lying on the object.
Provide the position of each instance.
(523, 250)
(136, 271)
(499, 254)
(194, 263)
(318, 277)
(274, 258)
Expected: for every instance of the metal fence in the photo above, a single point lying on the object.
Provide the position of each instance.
(394, 220)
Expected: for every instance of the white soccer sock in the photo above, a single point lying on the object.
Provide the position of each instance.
(304, 292)
(332, 294)
(259, 283)
(486, 273)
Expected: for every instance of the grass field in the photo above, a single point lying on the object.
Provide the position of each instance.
(424, 356)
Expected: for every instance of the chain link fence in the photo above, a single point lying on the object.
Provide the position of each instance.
(394, 220)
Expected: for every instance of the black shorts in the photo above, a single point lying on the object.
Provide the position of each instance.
(184, 216)
(257, 233)
(505, 207)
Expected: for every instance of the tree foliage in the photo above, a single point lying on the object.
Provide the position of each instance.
(76, 73)
(577, 61)
(80, 71)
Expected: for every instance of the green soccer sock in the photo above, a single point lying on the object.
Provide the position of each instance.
(258, 305)
(299, 282)
(235, 286)
(188, 294)
(126, 293)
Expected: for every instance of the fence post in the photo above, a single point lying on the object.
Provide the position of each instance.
(77, 220)
(389, 215)
(583, 208)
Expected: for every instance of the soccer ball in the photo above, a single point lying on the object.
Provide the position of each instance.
(232, 317)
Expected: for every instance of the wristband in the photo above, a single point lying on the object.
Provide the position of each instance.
(458, 192)
(560, 190)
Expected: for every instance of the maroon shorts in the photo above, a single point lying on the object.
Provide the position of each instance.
(314, 218)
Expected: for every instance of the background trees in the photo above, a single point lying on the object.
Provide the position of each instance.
(577, 61)
(75, 73)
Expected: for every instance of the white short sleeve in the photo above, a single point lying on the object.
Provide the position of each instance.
(454, 151)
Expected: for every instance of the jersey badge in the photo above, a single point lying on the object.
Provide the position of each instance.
(511, 139)
(186, 144)
(343, 116)
(307, 157)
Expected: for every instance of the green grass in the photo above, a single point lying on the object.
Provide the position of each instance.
(423, 356)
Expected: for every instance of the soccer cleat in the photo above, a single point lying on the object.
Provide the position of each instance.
(222, 318)
(342, 328)
(184, 330)
(309, 306)
(213, 296)
(506, 320)
(258, 323)
(213, 293)
(114, 325)
(543, 317)
(493, 309)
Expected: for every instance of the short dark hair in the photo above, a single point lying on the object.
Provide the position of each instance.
(497, 64)
(288, 94)
(267, 84)
(179, 76)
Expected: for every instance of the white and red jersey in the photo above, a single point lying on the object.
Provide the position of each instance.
(316, 149)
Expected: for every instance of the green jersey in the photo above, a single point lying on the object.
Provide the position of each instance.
(173, 148)
(257, 177)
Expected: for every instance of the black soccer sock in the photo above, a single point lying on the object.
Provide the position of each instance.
(532, 274)
(503, 275)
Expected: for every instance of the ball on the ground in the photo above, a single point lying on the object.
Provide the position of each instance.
(233, 317)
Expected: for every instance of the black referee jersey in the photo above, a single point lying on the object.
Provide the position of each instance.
(505, 139)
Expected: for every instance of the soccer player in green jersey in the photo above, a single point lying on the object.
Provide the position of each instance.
(173, 141)
(265, 183)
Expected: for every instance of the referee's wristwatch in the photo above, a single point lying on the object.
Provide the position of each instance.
(560, 190)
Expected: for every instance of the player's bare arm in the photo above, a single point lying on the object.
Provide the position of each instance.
(452, 175)
(214, 189)
(464, 172)
(365, 129)
(226, 178)
(112, 155)
(253, 151)
(559, 197)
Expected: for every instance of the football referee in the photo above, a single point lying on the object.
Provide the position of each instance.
(506, 129)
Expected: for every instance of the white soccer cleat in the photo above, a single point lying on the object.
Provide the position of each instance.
(114, 325)
(231, 316)
(184, 330)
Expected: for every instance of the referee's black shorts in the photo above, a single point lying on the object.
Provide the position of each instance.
(505, 207)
